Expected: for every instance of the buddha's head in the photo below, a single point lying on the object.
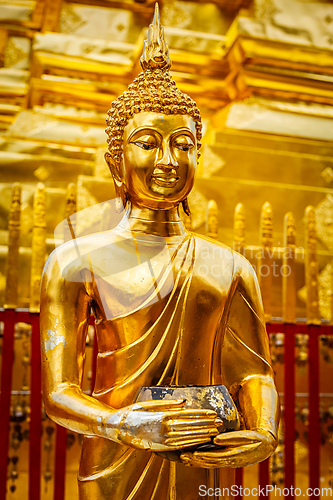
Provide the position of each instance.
(154, 133)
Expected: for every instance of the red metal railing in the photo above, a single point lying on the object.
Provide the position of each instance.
(11, 317)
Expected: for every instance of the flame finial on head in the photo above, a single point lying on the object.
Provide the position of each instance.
(155, 49)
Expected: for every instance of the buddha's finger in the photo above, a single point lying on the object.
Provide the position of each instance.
(212, 456)
(160, 406)
(191, 414)
(175, 425)
(190, 432)
(186, 443)
(237, 438)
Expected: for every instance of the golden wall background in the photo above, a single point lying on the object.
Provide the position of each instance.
(261, 72)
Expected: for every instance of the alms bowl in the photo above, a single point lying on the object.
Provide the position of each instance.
(208, 397)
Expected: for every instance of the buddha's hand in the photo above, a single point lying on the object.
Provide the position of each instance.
(239, 448)
(160, 426)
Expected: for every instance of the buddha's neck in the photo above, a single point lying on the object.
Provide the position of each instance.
(160, 222)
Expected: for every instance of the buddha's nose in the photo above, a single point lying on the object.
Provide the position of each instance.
(166, 160)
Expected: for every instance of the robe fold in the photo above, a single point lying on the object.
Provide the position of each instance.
(207, 329)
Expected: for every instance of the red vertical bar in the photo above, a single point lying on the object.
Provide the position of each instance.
(264, 477)
(60, 463)
(289, 407)
(6, 387)
(239, 482)
(35, 432)
(314, 422)
(264, 466)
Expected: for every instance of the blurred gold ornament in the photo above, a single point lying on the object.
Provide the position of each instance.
(212, 219)
(12, 264)
(264, 269)
(311, 268)
(239, 228)
(288, 270)
(38, 247)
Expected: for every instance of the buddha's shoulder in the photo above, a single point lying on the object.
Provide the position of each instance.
(216, 253)
(74, 253)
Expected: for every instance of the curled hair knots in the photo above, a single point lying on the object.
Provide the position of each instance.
(152, 90)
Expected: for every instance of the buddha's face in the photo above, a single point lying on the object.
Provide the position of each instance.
(159, 159)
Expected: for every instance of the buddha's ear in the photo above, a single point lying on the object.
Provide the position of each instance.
(113, 167)
(118, 182)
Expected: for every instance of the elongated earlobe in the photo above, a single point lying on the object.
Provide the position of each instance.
(186, 207)
(121, 194)
(122, 199)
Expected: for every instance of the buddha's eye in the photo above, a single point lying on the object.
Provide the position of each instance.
(184, 147)
(144, 145)
(183, 142)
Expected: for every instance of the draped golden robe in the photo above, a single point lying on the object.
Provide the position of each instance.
(199, 322)
(208, 330)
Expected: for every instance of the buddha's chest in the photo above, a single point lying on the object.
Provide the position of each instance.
(177, 301)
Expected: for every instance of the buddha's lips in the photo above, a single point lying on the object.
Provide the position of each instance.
(166, 179)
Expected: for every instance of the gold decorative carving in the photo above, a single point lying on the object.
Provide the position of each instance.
(266, 225)
(13, 53)
(327, 175)
(239, 228)
(311, 267)
(264, 270)
(12, 264)
(212, 226)
(70, 20)
(38, 247)
(43, 173)
(288, 270)
(279, 20)
(84, 197)
(39, 126)
(28, 123)
(325, 292)
(265, 9)
(176, 14)
(70, 200)
(324, 218)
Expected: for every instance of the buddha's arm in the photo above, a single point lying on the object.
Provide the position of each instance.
(157, 426)
(248, 374)
(258, 402)
(65, 311)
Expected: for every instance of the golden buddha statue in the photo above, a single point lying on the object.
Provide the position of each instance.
(172, 309)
